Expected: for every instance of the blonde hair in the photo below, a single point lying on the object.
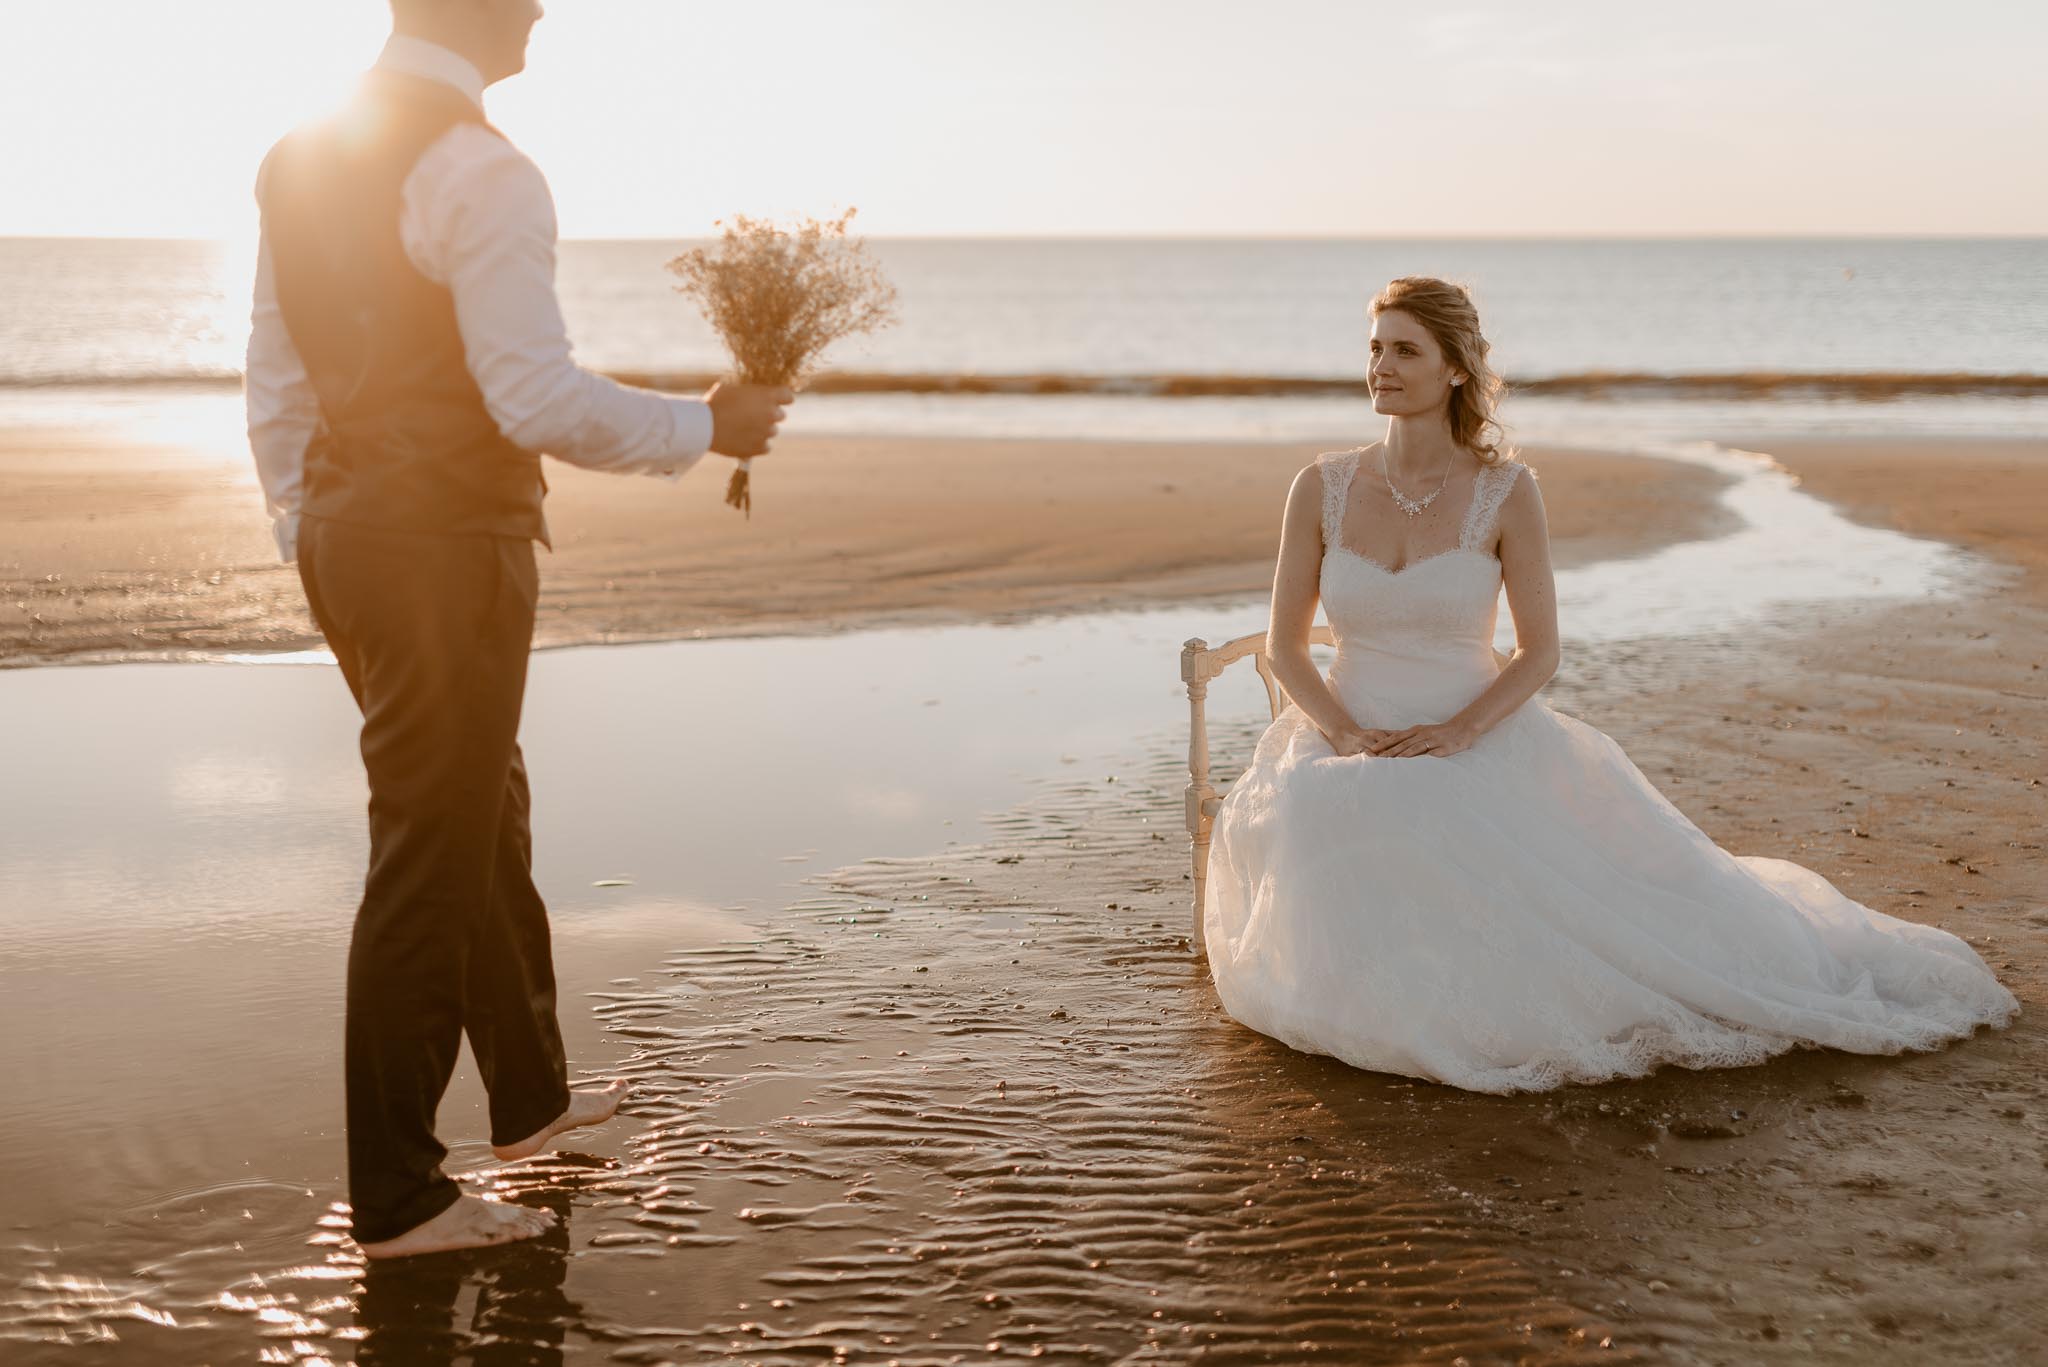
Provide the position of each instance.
(1446, 310)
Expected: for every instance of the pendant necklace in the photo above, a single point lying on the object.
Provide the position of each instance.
(1410, 506)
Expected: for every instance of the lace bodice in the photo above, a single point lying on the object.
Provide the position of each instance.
(1443, 604)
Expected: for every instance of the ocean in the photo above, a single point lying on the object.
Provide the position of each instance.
(1065, 334)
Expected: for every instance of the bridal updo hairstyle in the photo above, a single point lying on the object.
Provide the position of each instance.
(1447, 312)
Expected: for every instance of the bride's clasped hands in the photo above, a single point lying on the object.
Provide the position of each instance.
(1440, 740)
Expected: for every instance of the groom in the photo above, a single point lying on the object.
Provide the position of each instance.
(407, 366)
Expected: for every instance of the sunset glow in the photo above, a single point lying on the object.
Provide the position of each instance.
(655, 117)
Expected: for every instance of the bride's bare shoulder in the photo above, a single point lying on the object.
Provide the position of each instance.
(1315, 483)
(1329, 462)
(1522, 501)
(1308, 483)
(1311, 475)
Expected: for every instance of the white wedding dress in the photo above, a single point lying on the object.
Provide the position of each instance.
(1529, 912)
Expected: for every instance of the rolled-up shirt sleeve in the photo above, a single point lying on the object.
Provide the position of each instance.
(283, 410)
(479, 219)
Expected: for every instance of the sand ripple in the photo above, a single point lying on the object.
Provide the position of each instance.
(959, 1121)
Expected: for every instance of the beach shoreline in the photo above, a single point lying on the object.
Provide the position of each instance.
(126, 550)
(120, 549)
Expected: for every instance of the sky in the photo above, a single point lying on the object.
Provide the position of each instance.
(654, 118)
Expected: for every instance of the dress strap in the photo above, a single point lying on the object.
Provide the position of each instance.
(1489, 492)
(1338, 468)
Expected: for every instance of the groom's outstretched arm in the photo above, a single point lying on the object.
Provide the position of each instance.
(478, 218)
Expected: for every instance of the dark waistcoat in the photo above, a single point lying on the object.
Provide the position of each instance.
(405, 441)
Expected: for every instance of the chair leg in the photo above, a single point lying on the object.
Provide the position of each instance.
(1194, 672)
(1200, 797)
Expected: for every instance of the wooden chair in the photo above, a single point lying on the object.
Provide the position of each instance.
(1199, 663)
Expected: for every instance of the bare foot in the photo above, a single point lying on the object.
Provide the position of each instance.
(585, 1108)
(469, 1223)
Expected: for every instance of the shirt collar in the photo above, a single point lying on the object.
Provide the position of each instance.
(410, 56)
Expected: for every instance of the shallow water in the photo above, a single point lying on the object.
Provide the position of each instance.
(183, 842)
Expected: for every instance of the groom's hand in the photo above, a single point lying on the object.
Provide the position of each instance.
(744, 417)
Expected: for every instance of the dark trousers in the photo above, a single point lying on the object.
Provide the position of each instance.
(432, 633)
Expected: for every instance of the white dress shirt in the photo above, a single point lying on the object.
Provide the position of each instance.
(476, 217)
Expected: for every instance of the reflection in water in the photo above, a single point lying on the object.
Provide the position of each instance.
(519, 1315)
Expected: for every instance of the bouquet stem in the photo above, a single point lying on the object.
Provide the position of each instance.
(738, 494)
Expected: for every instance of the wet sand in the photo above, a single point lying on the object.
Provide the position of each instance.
(1008, 1053)
(984, 1105)
(120, 550)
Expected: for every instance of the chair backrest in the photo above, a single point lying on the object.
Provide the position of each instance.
(1199, 663)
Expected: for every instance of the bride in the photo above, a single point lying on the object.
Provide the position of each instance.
(1427, 871)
